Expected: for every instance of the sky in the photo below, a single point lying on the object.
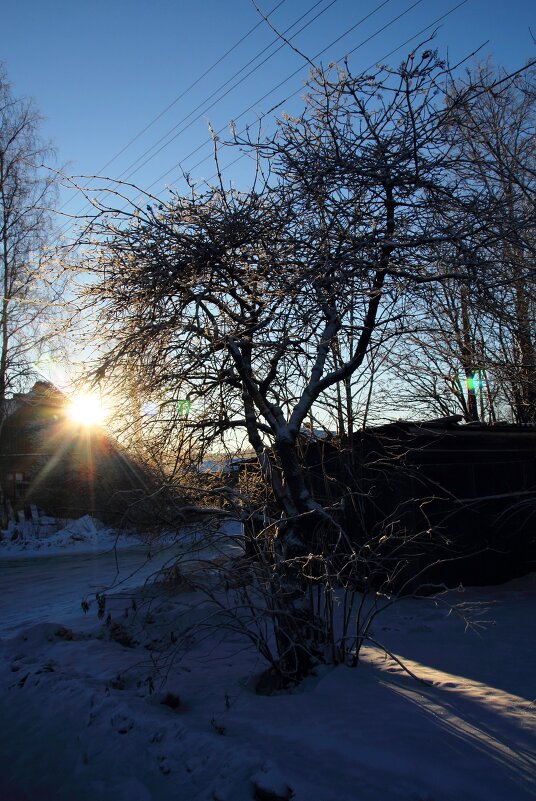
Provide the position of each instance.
(102, 72)
(127, 89)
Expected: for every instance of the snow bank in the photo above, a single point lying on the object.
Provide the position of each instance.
(51, 536)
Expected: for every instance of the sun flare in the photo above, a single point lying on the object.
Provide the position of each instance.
(86, 409)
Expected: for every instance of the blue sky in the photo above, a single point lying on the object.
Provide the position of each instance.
(101, 71)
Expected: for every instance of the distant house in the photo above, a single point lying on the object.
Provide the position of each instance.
(60, 467)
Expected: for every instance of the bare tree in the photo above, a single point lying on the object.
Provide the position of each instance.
(29, 307)
(256, 306)
(27, 191)
(473, 349)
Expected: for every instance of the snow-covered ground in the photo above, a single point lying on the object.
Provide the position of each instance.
(96, 710)
(87, 535)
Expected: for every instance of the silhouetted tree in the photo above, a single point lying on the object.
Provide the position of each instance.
(26, 275)
(255, 306)
(27, 191)
(473, 348)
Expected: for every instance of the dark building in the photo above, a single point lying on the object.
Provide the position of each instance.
(425, 504)
(434, 502)
(61, 467)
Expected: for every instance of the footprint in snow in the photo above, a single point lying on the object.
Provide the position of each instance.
(122, 724)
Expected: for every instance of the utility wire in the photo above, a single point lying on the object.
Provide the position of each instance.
(387, 55)
(271, 91)
(190, 87)
(296, 72)
(193, 119)
(293, 74)
(183, 94)
(281, 83)
(422, 31)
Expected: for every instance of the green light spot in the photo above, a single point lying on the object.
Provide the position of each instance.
(183, 407)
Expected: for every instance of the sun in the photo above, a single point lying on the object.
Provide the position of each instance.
(86, 409)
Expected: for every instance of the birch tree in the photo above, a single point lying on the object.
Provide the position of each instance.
(27, 191)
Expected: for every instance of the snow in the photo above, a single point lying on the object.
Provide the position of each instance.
(99, 710)
(55, 537)
(87, 535)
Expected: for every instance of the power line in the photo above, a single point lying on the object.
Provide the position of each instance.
(277, 86)
(293, 74)
(184, 93)
(422, 31)
(222, 86)
(190, 87)
(317, 55)
(385, 56)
